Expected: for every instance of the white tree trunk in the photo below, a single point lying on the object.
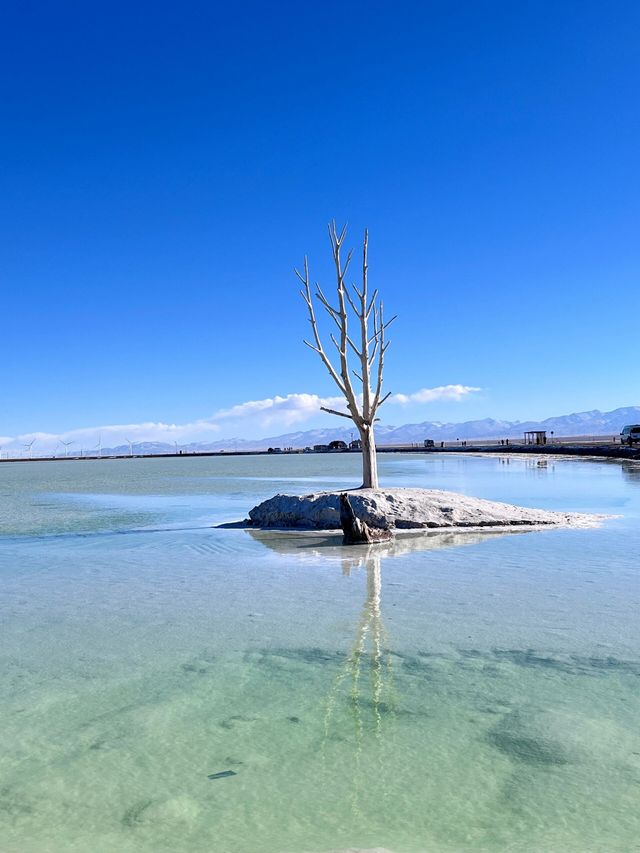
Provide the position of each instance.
(369, 458)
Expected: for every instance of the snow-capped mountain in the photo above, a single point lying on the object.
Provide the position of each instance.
(593, 422)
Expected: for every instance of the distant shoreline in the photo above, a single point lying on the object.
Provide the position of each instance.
(604, 451)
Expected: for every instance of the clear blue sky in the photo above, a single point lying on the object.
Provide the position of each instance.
(164, 166)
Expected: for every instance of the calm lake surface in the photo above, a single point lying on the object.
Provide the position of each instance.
(444, 694)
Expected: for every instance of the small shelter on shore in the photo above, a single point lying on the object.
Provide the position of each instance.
(535, 436)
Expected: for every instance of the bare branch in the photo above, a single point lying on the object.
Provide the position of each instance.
(333, 311)
(382, 349)
(376, 333)
(354, 347)
(336, 239)
(372, 303)
(340, 239)
(328, 308)
(346, 263)
(316, 335)
(364, 333)
(349, 393)
(304, 296)
(333, 412)
(352, 303)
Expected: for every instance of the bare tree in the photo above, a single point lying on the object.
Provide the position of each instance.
(368, 346)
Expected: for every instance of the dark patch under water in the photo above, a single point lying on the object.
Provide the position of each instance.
(527, 749)
(418, 666)
(132, 816)
(306, 655)
(191, 668)
(232, 722)
(12, 804)
(572, 664)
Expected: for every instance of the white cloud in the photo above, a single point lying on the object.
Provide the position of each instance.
(249, 418)
(431, 395)
(295, 408)
(289, 410)
(111, 434)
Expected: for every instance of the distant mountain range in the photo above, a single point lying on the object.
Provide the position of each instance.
(594, 422)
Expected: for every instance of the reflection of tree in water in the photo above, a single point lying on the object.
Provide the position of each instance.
(365, 678)
(328, 545)
(366, 675)
(368, 659)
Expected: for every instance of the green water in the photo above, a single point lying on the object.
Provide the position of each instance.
(442, 694)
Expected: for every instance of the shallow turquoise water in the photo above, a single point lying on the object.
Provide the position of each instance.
(444, 694)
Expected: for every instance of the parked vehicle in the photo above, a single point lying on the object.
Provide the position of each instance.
(429, 442)
(630, 434)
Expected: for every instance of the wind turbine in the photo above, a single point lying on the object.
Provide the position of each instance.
(98, 446)
(28, 445)
(66, 445)
(130, 443)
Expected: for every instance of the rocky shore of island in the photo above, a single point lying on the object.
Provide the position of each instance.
(406, 509)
